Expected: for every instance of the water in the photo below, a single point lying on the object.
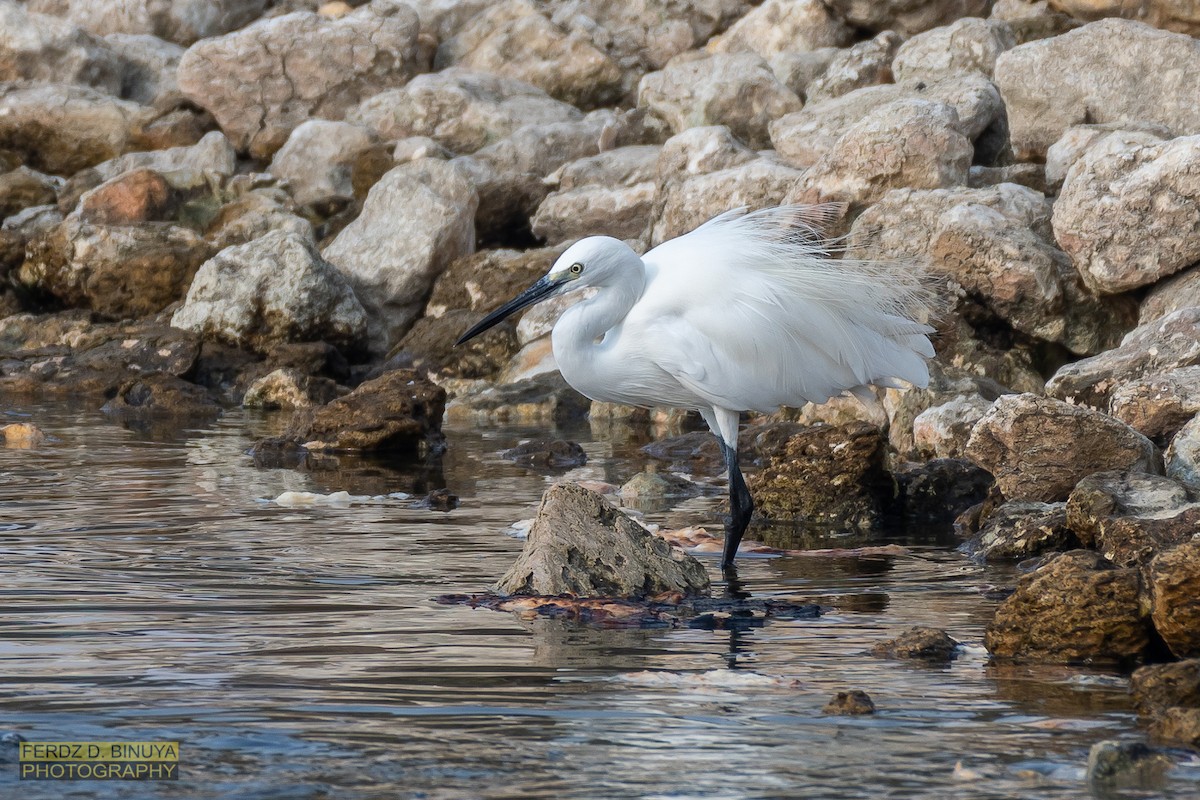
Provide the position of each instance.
(152, 591)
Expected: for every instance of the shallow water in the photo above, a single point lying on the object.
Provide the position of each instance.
(152, 591)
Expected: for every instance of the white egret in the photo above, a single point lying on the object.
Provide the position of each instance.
(748, 312)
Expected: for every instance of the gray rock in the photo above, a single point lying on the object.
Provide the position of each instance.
(1020, 529)
(612, 193)
(797, 71)
(1038, 448)
(179, 21)
(1158, 405)
(1156, 347)
(652, 486)
(867, 63)
(1183, 456)
(1129, 517)
(317, 160)
(947, 382)
(253, 214)
(210, 159)
(301, 66)
(802, 137)
(547, 454)
(942, 431)
(784, 26)
(1179, 291)
(967, 45)
(1127, 764)
(905, 16)
(738, 91)
(1052, 84)
(415, 221)
(149, 68)
(41, 48)
(1127, 217)
(276, 288)
(513, 39)
(460, 109)
(1079, 139)
(580, 545)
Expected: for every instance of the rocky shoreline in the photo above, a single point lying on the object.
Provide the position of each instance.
(300, 205)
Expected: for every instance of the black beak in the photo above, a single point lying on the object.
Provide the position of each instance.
(539, 291)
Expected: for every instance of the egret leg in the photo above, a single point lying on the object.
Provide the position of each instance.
(741, 507)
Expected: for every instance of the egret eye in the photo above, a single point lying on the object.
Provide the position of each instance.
(576, 269)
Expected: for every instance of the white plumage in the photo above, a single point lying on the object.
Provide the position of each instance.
(750, 311)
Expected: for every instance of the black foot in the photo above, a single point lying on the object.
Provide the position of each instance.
(741, 508)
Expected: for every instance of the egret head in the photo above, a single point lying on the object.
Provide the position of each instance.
(594, 261)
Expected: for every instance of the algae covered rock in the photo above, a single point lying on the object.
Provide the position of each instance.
(1175, 594)
(580, 545)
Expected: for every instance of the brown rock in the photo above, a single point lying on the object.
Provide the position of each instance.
(827, 476)
(1179, 291)
(1157, 406)
(1178, 725)
(547, 454)
(867, 63)
(1020, 529)
(398, 411)
(1131, 517)
(160, 396)
(22, 188)
(289, 388)
(431, 345)
(484, 281)
(851, 703)
(22, 436)
(580, 545)
(140, 195)
(1175, 594)
(1157, 687)
(905, 16)
(545, 399)
(1076, 607)
(919, 643)
(936, 492)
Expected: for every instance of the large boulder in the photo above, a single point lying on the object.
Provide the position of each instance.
(1175, 598)
(1157, 347)
(301, 66)
(968, 45)
(783, 26)
(179, 21)
(276, 288)
(1039, 448)
(738, 91)
(41, 48)
(1075, 608)
(580, 545)
(1107, 71)
(513, 39)
(1128, 217)
(416, 220)
(460, 109)
(1130, 517)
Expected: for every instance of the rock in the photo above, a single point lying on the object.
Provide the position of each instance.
(1113, 763)
(1032, 19)
(133, 197)
(867, 63)
(1174, 592)
(61, 129)
(159, 396)
(1157, 406)
(802, 137)
(828, 476)
(179, 21)
(1155, 347)
(1031, 176)
(797, 71)
(695, 451)
(611, 192)
(22, 436)
(547, 454)
(397, 412)
(580, 545)
(431, 345)
(276, 288)
(918, 643)
(484, 281)
(1038, 448)
(317, 160)
(779, 26)
(936, 492)
(414, 223)
(120, 271)
(462, 110)
(688, 203)
(1127, 217)
(1129, 517)
(1052, 84)
(1165, 14)
(908, 143)
(546, 399)
(512, 39)
(253, 215)
(738, 91)
(149, 64)
(905, 16)
(946, 382)
(288, 389)
(1180, 291)
(1178, 725)
(42, 49)
(1075, 608)
(210, 159)
(1074, 144)
(852, 703)
(967, 45)
(1158, 687)
(943, 430)
(24, 188)
(1021, 529)
(302, 66)
(651, 486)
(1183, 456)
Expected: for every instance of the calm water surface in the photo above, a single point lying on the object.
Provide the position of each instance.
(152, 590)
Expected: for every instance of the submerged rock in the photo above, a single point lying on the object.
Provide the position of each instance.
(1075, 608)
(547, 454)
(1113, 763)
(21, 436)
(919, 643)
(580, 545)
(656, 486)
(851, 703)
(159, 396)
